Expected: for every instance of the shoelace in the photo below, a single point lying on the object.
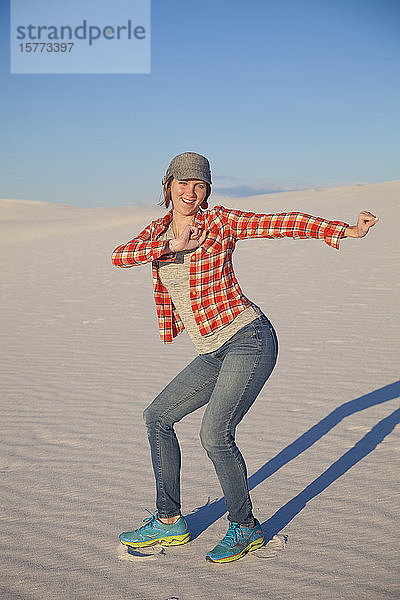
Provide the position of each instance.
(149, 520)
(233, 535)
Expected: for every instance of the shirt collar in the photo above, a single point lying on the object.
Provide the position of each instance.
(162, 223)
(198, 219)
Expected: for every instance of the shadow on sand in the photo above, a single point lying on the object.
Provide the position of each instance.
(206, 515)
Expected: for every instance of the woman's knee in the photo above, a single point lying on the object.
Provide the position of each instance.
(154, 416)
(150, 415)
(212, 439)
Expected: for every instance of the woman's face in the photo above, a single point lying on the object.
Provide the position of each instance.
(187, 195)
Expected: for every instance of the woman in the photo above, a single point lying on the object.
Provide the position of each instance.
(195, 288)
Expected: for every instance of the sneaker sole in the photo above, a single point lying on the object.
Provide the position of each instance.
(172, 540)
(255, 545)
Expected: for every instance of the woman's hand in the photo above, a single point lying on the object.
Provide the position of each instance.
(191, 237)
(366, 220)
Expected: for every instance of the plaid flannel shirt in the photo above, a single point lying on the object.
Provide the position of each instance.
(215, 294)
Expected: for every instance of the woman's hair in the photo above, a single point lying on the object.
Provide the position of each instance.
(167, 200)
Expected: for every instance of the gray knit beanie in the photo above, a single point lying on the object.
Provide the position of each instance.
(189, 165)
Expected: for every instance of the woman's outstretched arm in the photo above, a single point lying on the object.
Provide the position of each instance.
(294, 224)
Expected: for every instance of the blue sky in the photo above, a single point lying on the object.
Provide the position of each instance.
(280, 94)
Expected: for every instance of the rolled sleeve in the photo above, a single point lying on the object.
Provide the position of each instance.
(138, 252)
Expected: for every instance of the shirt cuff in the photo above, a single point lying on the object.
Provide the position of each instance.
(163, 254)
(334, 232)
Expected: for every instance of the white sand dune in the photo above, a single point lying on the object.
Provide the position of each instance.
(82, 358)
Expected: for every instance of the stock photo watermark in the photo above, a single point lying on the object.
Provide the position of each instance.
(74, 37)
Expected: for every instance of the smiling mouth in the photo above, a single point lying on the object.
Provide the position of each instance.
(188, 201)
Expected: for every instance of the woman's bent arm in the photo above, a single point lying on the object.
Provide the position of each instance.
(141, 250)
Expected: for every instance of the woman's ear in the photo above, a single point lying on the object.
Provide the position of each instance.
(204, 204)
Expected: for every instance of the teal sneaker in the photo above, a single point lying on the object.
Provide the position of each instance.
(155, 532)
(237, 542)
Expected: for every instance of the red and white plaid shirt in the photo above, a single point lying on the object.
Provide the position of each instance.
(215, 294)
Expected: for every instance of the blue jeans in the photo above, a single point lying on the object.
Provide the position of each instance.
(228, 380)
